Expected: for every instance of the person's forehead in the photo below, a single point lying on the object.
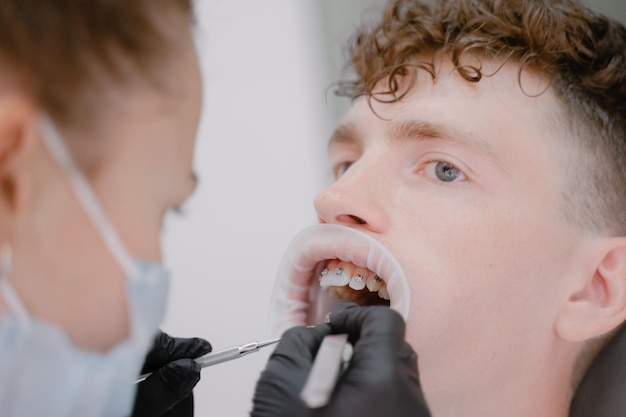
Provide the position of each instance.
(504, 102)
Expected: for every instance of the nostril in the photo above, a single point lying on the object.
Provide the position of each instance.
(336, 206)
(357, 219)
(350, 219)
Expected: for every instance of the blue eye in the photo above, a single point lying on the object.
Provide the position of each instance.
(444, 172)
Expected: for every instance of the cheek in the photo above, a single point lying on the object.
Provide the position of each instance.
(481, 282)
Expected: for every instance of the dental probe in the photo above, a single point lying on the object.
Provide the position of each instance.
(225, 355)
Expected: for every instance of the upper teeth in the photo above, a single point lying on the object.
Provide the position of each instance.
(337, 278)
(341, 274)
(375, 284)
(357, 282)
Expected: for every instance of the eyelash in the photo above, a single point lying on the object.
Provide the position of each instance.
(179, 211)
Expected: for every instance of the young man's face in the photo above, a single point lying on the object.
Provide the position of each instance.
(463, 182)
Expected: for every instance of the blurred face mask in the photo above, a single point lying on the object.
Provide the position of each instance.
(41, 372)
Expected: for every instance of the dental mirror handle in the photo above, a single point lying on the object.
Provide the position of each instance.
(331, 357)
(225, 355)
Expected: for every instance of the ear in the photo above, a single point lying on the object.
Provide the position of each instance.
(597, 303)
(17, 122)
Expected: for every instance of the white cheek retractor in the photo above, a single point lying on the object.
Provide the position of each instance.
(299, 299)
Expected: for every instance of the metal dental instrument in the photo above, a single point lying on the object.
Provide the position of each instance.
(225, 355)
(331, 357)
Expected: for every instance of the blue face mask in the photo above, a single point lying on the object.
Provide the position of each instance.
(41, 372)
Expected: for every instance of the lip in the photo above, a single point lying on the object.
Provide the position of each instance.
(298, 299)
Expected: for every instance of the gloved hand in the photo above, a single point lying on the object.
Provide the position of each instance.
(168, 391)
(381, 380)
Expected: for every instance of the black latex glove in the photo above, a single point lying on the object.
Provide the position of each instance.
(382, 378)
(168, 391)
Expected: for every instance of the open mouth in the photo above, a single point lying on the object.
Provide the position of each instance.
(348, 282)
(327, 264)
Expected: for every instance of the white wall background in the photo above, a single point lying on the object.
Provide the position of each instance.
(260, 157)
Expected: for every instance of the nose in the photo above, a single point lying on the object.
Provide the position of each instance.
(359, 198)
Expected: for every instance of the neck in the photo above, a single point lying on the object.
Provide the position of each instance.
(539, 388)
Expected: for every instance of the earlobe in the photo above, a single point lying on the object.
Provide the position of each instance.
(598, 304)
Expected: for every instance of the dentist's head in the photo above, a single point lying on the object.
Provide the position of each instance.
(99, 106)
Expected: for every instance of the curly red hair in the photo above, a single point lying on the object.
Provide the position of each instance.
(582, 53)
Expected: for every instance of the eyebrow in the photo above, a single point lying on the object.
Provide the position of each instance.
(414, 130)
(418, 130)
(344, 133)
